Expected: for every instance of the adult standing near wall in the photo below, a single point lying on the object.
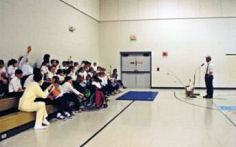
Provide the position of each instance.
(209, 78)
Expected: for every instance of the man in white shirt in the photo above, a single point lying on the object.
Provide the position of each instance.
(15, 87)
(209, 78)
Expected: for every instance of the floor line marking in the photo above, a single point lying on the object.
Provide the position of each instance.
(96, 133)
(218, 109)
(209, 108)
(229, 119)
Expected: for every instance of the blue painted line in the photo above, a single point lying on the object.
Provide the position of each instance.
(225, 115)
(228, 108)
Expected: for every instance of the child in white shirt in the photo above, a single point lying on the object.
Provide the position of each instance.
(71, 94)
(24, 63)
(15, 87)
(12, 66)
(3, 79)
(44, 68)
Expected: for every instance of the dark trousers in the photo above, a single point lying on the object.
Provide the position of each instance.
(3, 89)
(71, 97)
(120, 82)
(209, 85)
(23, 79)
(62, 104)
(14, 94)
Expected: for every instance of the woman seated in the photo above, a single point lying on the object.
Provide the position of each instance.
(27, 102)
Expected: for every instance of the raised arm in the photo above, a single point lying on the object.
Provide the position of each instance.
(25, 57)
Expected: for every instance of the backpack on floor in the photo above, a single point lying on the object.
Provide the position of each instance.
(99, 99)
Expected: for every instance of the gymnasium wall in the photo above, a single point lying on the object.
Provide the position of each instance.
(44, 24)
(162, 9)
(90, 7)
(188, 29)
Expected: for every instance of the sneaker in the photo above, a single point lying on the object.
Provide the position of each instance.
(58, 115)
(40, 127)
(67, 114)
(45, 122)
(80, 110)
(61, 117)
(82, 107)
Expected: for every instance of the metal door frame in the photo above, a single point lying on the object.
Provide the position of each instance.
(137, 52)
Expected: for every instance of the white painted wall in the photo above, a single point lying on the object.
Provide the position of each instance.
(90, 7)
(44, 25)
(150, 9)
(188, 41)
(173, 26)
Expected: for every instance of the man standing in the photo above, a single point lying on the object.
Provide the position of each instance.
(209, 78)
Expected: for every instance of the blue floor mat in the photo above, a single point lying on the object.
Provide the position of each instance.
(138, 96)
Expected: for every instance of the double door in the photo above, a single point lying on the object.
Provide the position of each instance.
(136, 69)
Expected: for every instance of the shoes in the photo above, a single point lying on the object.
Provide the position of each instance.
(206, 96)
(209, 97)
(45, 122)
(68, 115)
(60, 116)
(192, 96)
(39, 127)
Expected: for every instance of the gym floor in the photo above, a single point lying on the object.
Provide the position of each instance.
(169, 121)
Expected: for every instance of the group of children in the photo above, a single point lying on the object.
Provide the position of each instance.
(77, 87)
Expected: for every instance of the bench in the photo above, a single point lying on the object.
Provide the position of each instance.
(16, 122)
(8, 103)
